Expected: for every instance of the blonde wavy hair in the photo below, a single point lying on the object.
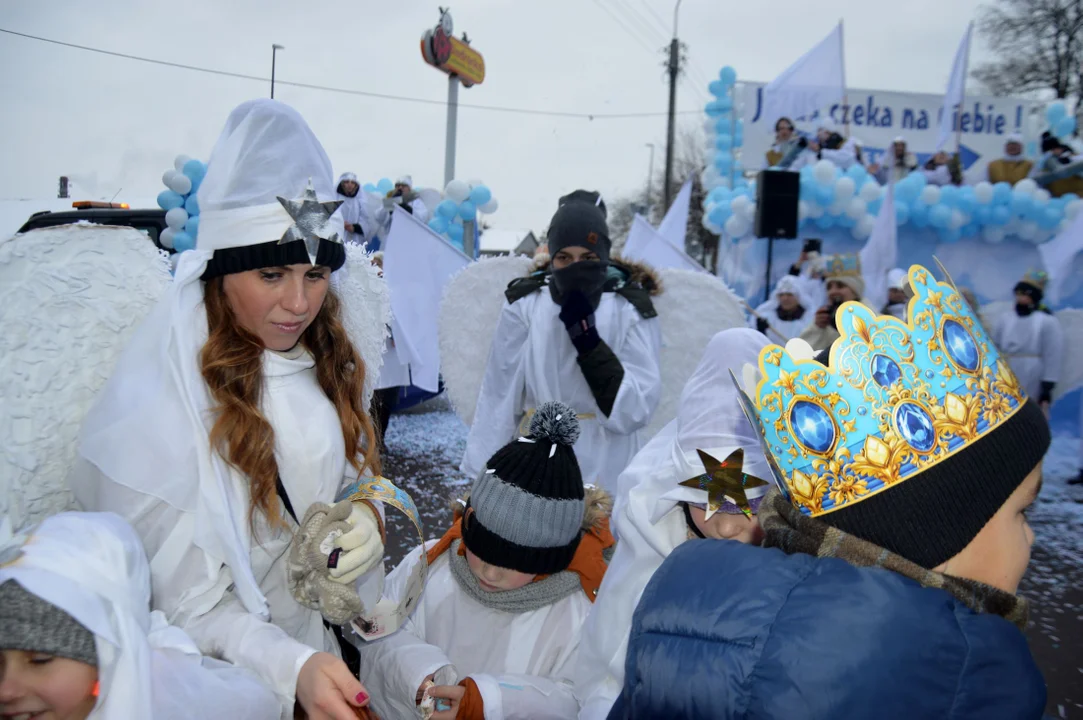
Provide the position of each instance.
(232, 366)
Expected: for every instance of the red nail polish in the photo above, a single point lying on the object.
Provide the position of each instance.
(362, 698)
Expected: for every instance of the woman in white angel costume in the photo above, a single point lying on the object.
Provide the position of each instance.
(80, 640)
(237, 409)
(661, 505)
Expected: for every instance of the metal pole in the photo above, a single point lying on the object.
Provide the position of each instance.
(274, 50)
(468, 238)
(452, 118)
(650, 176)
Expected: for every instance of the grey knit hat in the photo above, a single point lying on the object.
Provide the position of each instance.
(31, 624)
(526, 509)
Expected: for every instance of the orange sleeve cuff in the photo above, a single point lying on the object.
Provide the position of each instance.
(471, 707)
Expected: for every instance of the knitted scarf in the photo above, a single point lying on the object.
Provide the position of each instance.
(792, 532)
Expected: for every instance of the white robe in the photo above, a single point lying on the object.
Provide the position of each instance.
(310, 452)
(355, 211)
(522, 663)
(533, 361)
(1034, 345)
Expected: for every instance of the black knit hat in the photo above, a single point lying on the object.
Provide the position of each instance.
(579, 223)
(31, 624)
(525, 511)
(590, 197)
(227, 261)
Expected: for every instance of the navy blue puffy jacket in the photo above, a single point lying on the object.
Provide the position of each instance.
(725, 630)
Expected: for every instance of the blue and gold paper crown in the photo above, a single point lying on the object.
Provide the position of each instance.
(895, 399)
(1036, 278)
(846, 265)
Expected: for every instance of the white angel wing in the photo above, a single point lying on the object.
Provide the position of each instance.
(70, 297)
(431, 197)
(1071, 369)
(685, 334)
(468, 316)
(366, 311)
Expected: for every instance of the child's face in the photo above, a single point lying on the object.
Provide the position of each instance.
(1000, 553)
(723, 526)
(493, 578)
(36, 686)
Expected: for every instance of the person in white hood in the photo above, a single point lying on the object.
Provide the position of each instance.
(78, 639)
(898, 285)
(356, 216)
(786, 314)
(658, 508)
(402, 194)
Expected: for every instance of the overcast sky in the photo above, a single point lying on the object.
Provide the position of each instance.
(113, 123)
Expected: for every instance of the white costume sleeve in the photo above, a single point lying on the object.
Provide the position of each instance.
(394, 667)
(939, 176)
(420, 211)
(528, 697)
(1052, 349)
(186, 686)
(500, 402)
(843, 157)
(641, 387)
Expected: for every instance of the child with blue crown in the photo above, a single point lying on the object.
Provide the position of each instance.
(904, 459)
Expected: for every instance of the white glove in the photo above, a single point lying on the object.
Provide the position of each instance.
(362, 547)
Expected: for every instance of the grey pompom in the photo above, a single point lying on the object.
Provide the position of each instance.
(555, 422)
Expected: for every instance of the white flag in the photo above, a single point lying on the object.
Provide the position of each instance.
(675, 223)
(1057, 256)
(954, 95)
(418, 264)
(880, 253)
(814, 82)
(645, 244)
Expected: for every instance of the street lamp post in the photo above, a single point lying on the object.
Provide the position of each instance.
(274, 50)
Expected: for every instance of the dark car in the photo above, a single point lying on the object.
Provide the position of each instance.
(150, 221)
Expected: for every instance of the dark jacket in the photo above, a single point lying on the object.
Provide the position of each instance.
(725, 630)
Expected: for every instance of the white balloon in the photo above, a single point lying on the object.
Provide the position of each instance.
(490, 207)
(457, 190)
(182, 184)
(1028, 230)
(735, 227)
(710, 226)
(930, 194)
(167, 178)
(738, 204)
(993, 234)
(870, 191)
(1025, 187)
(1041, 196)
(958, 219)
(838, 207)
(1072, 209)
(802, 209)
(749, 213)
(863, 228)
(856, 208)
(824, 172)
(180, 162)
(983, 193)
(815, 211)
(844, 189)
(166, 237)
(474, 182)
(176, 218)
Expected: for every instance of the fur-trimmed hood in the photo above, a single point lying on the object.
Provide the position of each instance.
(633, 270)
(599, 506)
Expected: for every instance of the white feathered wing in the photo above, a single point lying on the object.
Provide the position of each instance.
(1071, 369)
(70, 297)
(366, 311)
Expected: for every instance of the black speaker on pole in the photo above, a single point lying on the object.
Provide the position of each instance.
(776, 203)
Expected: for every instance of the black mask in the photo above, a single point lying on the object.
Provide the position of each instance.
(586, 276)
(1022, 309)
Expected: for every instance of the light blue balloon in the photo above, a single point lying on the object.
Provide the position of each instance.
(455, 232)
(825, 195)
(738, 139)
(723, 122)
(447, 208)
(873, 208)
(1066, 198)
(982, 214)
(724, 162)
(971, 229)
(939, 216)
(725, 102)
(907, 191)
(728, 76)
(950, 235)
(384, 186)
(195, 171)
(191, 205)
(468, 210)
(825, 221)
(719, 214)
(1055, 112)
(713, 109)
(902, 213)
(1021, 204)
(1000, 216)
(1064, 127)
(168, 199)
(858, 174)
(845, 221)
(480, 195)
(438, 224)
(716, 88)
(192, 226)
(182, 241)
(724, 142)
(720, 195)
(1002, 193)
(1050, 218)
(369, 187)
(949, 195)
(919, 214)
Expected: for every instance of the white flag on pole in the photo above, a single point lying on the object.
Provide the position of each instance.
(956, 90)
(880, 253)
(675, 223)
(814, 82)
(1057, 256)
(646, 245)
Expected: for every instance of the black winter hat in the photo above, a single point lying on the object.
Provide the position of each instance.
(525, 511)
(578, 223)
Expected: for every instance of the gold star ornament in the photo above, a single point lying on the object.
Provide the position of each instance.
(724, 480)
(311, 221)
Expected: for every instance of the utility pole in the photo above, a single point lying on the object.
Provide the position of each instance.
(674, 68)
(650, 178)
(274, 50)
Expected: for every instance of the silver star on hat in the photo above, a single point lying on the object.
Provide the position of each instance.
(311, 221)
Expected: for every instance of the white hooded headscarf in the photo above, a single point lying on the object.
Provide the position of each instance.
(92, 566)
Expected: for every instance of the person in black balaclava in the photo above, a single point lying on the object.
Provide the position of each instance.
(1032, 339)
(591, 340)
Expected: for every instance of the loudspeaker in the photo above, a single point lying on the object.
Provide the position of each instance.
(776, 203)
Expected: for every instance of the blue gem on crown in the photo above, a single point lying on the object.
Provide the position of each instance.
(895, 398)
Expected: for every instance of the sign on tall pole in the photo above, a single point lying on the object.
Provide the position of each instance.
(463, 64)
